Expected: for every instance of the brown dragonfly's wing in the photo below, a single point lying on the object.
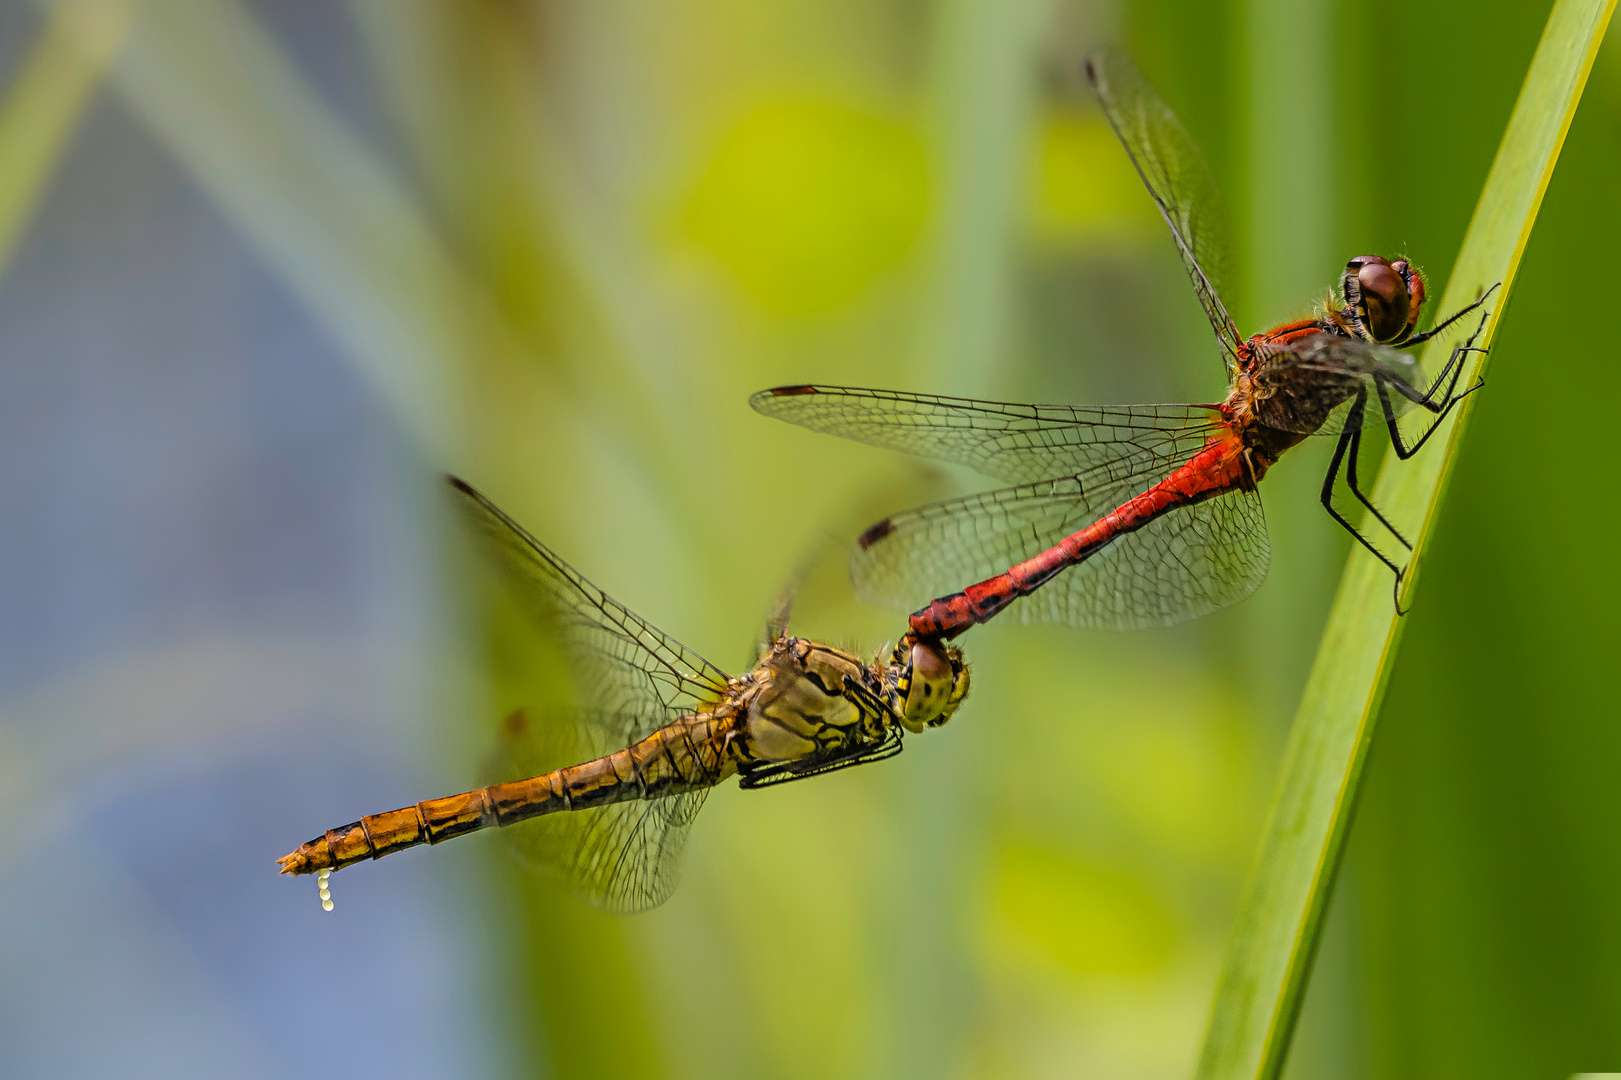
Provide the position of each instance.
(1188, 563)
(1019, 444)
(632, 679)
(622, 663)
(1308, 388)
(1179, 179)
(623, 857)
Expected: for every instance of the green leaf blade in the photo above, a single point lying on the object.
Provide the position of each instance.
(1280, 919)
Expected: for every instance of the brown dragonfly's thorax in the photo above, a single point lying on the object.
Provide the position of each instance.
(808, 699)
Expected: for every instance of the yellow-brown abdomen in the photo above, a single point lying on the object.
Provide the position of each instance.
(682, 756)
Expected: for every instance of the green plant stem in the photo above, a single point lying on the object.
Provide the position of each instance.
(1279, 922)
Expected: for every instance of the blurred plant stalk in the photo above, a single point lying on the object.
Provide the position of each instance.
(43, 105)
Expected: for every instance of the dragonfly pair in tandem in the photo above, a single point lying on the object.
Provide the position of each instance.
(1119, 517)
(606, 790)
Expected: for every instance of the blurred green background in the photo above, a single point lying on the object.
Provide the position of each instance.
(272, 266)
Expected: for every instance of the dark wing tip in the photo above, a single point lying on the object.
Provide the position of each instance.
(460, 485)
(516, 725)
(760, 401)
(876, 533)
(1095, 63)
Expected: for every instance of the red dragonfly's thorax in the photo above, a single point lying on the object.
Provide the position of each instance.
(1276, 399)
(1257, 381)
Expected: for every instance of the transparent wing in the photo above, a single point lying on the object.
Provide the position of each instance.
(1308, 388)
(1179, 179)
(624, 857)
(621, 663)
(634, 679)
(1019, 444)
(1185, 564)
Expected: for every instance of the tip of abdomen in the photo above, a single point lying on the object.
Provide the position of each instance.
(307, 859)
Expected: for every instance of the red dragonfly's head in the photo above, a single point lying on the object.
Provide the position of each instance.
(1382, 298)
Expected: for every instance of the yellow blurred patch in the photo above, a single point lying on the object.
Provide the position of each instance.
(1083, 185)
(1085, 919)
(1181, 783)
(807, 202)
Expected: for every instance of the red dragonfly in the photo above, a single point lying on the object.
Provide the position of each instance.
(1127, 516)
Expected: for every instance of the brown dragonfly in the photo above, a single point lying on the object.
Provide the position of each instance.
(603, 793)
(1125, 516)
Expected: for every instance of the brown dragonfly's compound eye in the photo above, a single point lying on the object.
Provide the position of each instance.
(1384, 301)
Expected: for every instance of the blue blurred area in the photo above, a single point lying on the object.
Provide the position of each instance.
(212, 602)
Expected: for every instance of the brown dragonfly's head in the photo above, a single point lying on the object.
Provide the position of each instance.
(927, 681)
(1382, 298)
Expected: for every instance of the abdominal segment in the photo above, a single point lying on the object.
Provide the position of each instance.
(684, 756)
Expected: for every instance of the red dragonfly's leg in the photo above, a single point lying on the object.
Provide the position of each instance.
(1353, 451)
(1350, 441)
(1353, 424)
(1449, 400)
(1419, 339)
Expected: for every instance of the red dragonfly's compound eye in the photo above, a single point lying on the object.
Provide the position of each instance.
(1384, 302)
(1415, 288)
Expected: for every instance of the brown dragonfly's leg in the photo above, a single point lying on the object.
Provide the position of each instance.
(1419, 339)
(1344, 443)
(782, 772)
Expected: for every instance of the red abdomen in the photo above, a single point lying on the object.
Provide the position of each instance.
(1217, 468)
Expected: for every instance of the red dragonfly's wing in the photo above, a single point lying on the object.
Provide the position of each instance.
(631, 679)
(1308, 387)
(1073, 464)
(1179, 179)
(1015, 443)
(1188, 563)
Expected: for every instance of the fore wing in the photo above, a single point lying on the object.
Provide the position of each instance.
(622, 663)
(1018, 444)
(631, 679)
(1178, 178)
